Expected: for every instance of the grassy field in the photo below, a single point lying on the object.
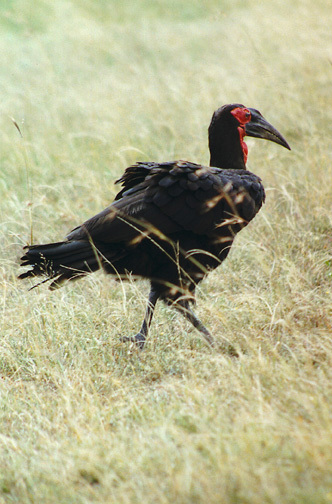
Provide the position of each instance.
(93, 86)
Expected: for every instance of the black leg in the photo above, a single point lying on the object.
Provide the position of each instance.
(184, 307)
(140, 337)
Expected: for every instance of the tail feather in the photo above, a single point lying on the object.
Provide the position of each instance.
(60, 261)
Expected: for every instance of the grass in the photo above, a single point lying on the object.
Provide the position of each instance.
(93, 87)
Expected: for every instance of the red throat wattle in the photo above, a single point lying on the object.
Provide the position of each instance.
(242, 132)
(243, 116)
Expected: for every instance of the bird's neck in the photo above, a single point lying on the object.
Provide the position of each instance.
(228, 150)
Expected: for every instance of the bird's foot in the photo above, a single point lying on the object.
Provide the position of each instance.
(227, 348)
(224, 345)
(138, 339)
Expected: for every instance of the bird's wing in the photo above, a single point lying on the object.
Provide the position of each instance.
(136, 174)
(178, 196)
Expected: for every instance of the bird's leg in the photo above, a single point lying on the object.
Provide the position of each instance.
(140, 337)
(184, 307)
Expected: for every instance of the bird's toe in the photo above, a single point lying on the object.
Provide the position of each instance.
(138, 339)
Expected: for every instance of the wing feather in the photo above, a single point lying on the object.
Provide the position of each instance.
(172, 197)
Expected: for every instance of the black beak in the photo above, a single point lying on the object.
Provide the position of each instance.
(258, 127)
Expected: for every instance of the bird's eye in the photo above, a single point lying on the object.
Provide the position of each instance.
(243, 115)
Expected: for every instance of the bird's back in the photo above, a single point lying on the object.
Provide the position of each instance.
(181, 196)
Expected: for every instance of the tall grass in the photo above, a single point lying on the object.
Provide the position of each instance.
(93, 87)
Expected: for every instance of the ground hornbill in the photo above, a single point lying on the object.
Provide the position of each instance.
(171, 222)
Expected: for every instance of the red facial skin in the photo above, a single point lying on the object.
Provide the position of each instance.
(243, 116)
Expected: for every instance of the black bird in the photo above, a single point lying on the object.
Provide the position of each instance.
(171, 222)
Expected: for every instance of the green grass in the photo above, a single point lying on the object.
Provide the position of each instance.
(93, 87)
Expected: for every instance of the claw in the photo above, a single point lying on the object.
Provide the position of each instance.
(138, 339)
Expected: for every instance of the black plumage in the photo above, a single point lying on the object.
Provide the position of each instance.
(171, 222)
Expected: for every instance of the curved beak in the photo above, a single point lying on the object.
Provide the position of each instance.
(258, 127)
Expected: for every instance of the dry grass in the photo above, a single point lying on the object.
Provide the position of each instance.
(94, 86)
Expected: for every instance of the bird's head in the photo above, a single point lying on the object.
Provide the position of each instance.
(229, 125)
